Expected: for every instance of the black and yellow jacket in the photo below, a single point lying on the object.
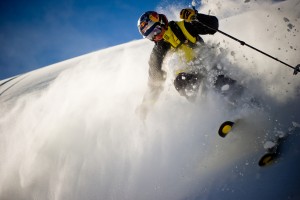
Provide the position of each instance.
(178, 35)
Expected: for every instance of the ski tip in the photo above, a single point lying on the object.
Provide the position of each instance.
(267, 159)
(225, 128)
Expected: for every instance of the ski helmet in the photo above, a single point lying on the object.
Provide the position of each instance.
(151, 23)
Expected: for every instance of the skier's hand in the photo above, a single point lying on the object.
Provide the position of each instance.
(142, 111)
(188, 14)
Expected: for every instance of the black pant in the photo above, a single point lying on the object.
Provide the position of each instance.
(233, 89)
(187, 84)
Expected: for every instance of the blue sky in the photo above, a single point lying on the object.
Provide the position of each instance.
(35, 33)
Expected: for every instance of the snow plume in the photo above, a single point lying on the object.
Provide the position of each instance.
(69, 131)
(80, 138)
(278, 27)
(221, 9)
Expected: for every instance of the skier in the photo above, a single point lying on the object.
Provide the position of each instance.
(181, 36)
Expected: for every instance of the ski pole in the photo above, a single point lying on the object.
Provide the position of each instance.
(296, 69)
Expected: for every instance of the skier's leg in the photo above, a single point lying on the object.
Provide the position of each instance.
(223, 80)
(187, 84)
(229, 87)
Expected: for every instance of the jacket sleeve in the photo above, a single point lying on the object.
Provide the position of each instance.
(204, 24)
(156, 74)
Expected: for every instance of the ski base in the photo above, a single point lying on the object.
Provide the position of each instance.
(273, 148)
(267, 159)
(272, 153)
(225, 128)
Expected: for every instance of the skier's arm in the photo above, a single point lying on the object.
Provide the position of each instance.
(205, 24)
(156, 76)
(199, 24)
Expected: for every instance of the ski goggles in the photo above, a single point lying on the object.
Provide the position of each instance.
(156, 31)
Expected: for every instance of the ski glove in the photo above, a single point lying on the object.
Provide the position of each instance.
(142, 111)
(188, 14)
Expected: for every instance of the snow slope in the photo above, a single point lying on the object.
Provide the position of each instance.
(69, 131)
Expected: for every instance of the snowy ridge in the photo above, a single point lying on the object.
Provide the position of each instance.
(69, 131)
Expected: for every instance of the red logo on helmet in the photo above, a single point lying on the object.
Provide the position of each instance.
(154, 17)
